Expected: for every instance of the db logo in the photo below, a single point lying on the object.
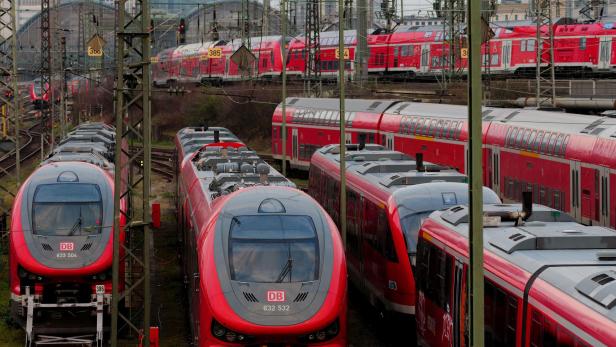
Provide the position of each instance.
(67, 246)
(275, 296)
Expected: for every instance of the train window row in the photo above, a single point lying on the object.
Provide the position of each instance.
(366, 222)
(501, 308)
(331, 65)
(544, 332)
(550, 143)
(541, 194)
(447, 129)
(306, 151)
(328, 118)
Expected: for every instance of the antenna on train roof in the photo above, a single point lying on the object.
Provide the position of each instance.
(419, 163)
(362, 141)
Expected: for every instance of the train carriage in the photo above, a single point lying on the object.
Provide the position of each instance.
(312, 125)
(292, 292)
(548, 280)
(564, 159)
(60, 244)
(388, 196)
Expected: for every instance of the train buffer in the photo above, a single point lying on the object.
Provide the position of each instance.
(33, 339)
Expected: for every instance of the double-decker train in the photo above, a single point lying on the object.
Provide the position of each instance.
(549, 281)
(565, 159)
(388, 196)
(264, 263)
(407, 52)
(61, 240)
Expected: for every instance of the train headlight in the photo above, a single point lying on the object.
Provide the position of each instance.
(227, 335)
(218, 330)
(230, 336)
(324, 334)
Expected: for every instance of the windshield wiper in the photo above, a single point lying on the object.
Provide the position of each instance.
(76, 225)
(286, 270)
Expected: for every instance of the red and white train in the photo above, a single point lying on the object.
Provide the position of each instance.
(388, 196)
(566, 160)
(407, 52)
(549, 281)
(264, 263)
(61, 240)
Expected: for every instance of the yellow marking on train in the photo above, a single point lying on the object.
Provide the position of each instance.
(425, 138)
(529, 154)
(426, 236)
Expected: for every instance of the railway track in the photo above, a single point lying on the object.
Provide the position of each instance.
(31, 146)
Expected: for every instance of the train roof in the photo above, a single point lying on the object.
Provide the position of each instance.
(350, 105)
(388, 170)
(90, 143)
(192, 138)
(580, 260)
(555, 121)
(224, 169)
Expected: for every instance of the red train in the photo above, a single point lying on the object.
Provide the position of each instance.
(565, 159)
(407, 52)
(264, 263)
(548, 280)
(39, 99)
(60, 245)
(388, 196)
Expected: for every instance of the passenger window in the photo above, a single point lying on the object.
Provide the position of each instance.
(559, 144)
(544, 142)
(582, 43)
(552, 143)
(432, 130)
(384, 233)
(537, 144)
(564, 145)
(459, 130)
(500, 316)
(531, 140)
(514, 135)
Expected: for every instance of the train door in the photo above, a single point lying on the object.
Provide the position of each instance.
(604, 196)
(295, 145)
(396, 57)
(389, 141)
(575, 207)
(459, 305)
(425, 58)
(496, 170)
(605, 52)
(506, 55)
(466, 157)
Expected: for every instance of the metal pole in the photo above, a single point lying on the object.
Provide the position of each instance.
(362, 41)
(266, 20)
(63, 87)
(475, 175)
(342, 122)
(117, 209)
(283, 18)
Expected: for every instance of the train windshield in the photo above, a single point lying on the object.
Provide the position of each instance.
(410, 226)
(67, 209)
(273, 249)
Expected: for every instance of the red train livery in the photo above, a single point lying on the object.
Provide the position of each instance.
(388, 196)
(60, 245)
(264, 263)
(408, 52)
(549, 281)
(564, 159)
